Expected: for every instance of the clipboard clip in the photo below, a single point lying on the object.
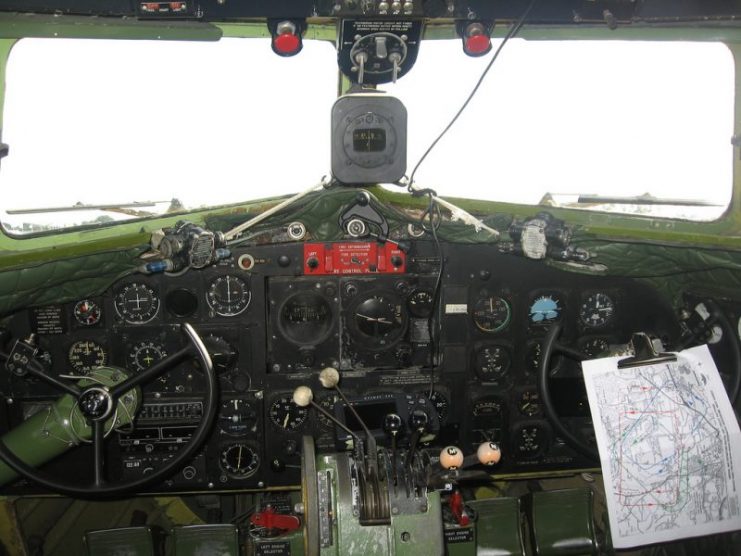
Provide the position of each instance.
(645, 353)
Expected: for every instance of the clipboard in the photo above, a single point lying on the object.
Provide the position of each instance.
(645, 353)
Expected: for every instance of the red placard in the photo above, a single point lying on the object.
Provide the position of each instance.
(362, 257)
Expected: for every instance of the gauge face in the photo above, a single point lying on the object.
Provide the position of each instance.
(440, 403)
(239, 460)
(420, 303)
(491, 313)
(529, 403)
(228, 295)
(87, 312)
(487, 408)
(286, 415)
(715, 333)
(137, 303)
(85, 355)
(306, 318)
(145, 354)
(545, 309)
(530, 440)
(596, 310)
(595, 347)
(369, 140)
(327, 403)
(223, 355)
(380, 319)
(237, 417)
(492, 363)
(532, 358)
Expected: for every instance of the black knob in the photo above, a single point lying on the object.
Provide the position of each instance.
(312, 262)
(392, 424)
(419, 419)
(241, 382)
(397, 261)
(284, 260)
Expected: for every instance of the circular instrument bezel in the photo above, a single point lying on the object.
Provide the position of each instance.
(91, 346)
(491, 313)
(140, 314)
(94, 310)
(597, 309)
(253, 457)
(311, 332)
(280, 412)
(229, 307)
(376, 338)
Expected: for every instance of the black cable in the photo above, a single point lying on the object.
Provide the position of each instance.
(549, 409)
(434, 322)
(511, 33)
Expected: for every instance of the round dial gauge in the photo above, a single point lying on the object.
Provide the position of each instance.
(145, 354)
(529, 403)
(594, 347)
(87, 312)
(306, 318)
(237, 417)
(596, 310)
(228, 295)
(545, 309)
(85, 355)
(223, 355)
(487, 407)
(532, 359)
(239, 460)
(491, 313)
(286, 415)
(380, 318)
(420, 303)
(492, 363)
(137, 303)
(530, 440)
(440, 403)
(369, 140)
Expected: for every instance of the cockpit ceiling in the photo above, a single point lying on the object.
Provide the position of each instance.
(552, 12)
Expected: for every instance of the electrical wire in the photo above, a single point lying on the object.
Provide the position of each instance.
(511, 33)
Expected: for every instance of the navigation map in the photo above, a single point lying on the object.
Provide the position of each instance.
(670, 448)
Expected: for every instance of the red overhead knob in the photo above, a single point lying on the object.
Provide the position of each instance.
(476, 45)
(286, 43)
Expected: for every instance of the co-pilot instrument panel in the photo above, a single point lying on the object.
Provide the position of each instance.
(273, 316)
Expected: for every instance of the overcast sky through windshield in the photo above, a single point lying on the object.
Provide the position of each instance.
(214, 123)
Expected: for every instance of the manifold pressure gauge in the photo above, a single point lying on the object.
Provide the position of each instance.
(369, 139)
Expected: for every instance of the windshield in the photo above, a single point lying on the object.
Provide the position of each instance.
(171, 125)
(132, 128)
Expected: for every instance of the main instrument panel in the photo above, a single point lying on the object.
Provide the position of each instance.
(273, 316)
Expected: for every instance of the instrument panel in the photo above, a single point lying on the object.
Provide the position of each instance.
(274, 326)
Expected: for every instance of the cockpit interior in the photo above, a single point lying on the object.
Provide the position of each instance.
(362, 330)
